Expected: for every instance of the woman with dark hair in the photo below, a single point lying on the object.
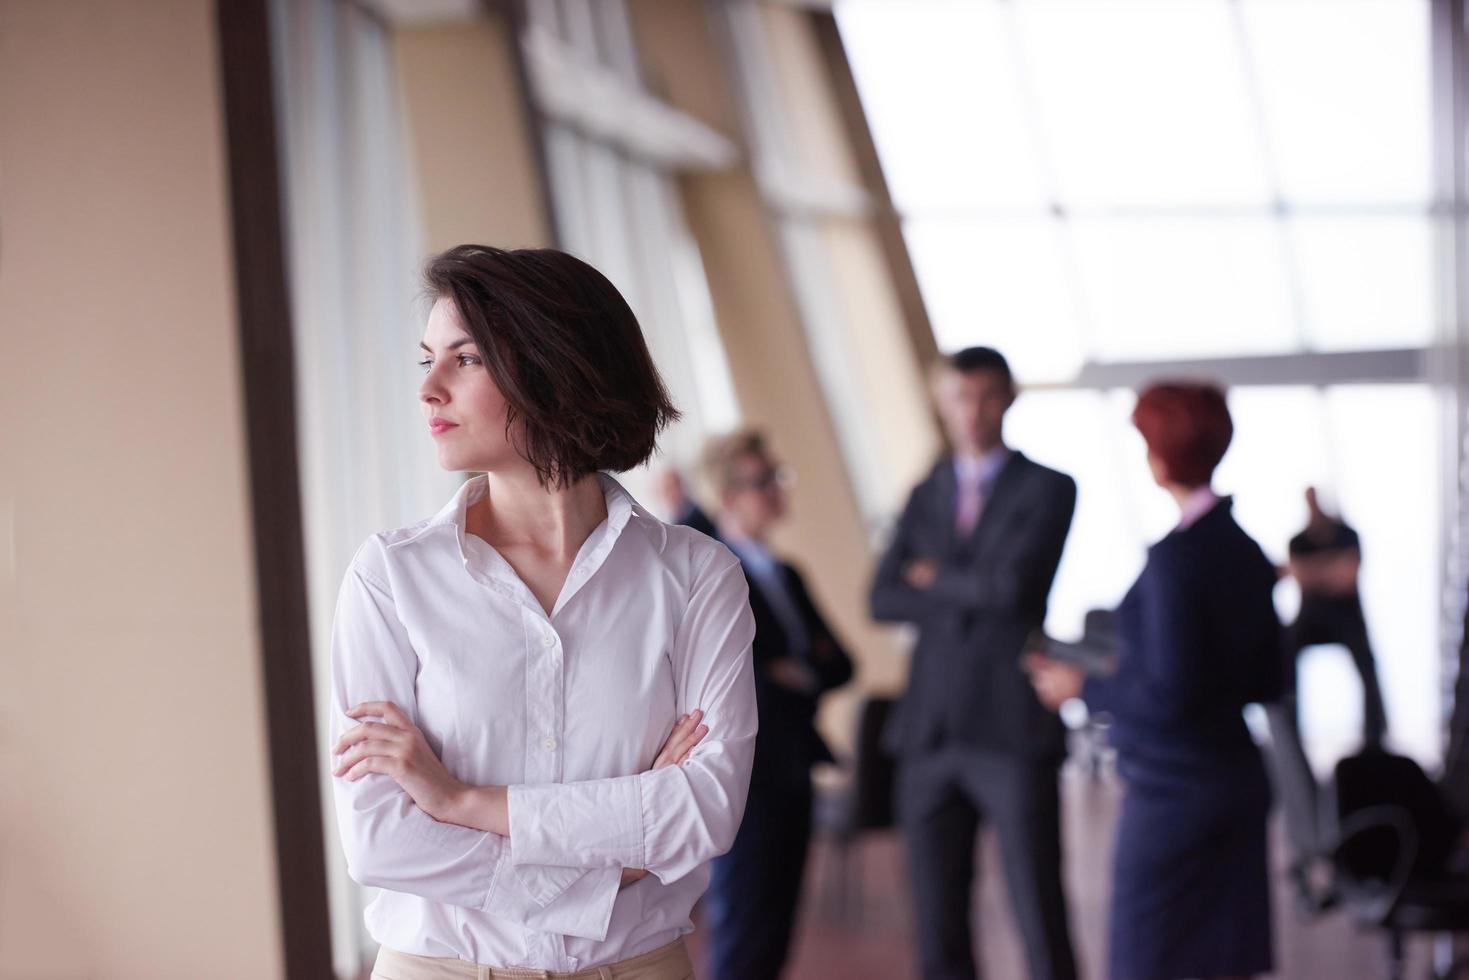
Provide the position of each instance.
(544, 706)
(1200, 640)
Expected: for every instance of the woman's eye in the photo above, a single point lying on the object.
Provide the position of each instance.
(425, 364)
(465, 360)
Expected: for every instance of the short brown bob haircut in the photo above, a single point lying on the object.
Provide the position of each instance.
(566, 352)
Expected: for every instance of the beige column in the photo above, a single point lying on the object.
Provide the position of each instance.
(472, 146)
(135, 813)
(886, 332)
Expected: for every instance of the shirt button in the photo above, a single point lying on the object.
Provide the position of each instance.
(549, 744)
(548, 640)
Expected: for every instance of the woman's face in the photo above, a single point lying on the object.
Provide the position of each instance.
(461, 404)
(755, 497)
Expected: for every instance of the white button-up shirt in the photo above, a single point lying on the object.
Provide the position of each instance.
(568, 710)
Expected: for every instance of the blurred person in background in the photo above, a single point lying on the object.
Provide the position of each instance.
(756, 887)
(1199, 640)
(971, 564)
(679, 505)
(543, 707)
(1325, 559)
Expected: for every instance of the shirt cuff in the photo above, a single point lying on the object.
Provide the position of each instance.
(583, 908)
(502, 884)
(592, 824)
(542, 885)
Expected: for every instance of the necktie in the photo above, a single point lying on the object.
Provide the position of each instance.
(970, 503)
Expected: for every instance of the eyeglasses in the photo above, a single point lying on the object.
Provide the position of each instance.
(773, 476)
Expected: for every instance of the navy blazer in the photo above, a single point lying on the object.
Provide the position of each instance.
(966, 685)
(1199, 640)
(788, 739)
(787, 743)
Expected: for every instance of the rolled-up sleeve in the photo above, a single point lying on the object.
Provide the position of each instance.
(389, 842)
(670, 820)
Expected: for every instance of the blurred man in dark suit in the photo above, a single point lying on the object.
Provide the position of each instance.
(971, 565)
(755, 888)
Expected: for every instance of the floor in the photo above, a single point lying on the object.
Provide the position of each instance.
(872, 936)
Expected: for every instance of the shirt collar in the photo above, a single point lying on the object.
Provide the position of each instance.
(488, 566)
(1199, 503)
(620, 507)
(753, 555)
(981, 469)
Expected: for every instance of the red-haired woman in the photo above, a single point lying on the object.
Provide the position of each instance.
(1200, 640)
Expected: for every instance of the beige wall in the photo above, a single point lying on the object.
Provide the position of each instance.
(135, 836)
(473, 155)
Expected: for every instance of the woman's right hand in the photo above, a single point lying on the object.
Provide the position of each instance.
(687, 732)
(1055, 682)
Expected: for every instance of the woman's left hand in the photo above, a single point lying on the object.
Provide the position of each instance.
(1055, 682)
(395, 747)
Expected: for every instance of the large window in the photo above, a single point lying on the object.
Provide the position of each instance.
(1240, 189)
(1157, 178)
(612, 153)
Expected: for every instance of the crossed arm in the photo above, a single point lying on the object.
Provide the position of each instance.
(550, 857)
(910, 585)
(396, 747)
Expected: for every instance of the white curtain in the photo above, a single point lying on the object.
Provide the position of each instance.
(355, 253)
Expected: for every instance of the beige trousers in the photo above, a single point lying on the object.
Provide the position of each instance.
(669, 962)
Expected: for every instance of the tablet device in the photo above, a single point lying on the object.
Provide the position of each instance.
(1096, 654)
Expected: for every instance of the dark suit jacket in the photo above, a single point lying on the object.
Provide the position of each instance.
(1199, 641)
(695, 517)
(966, 685)
(788, 739)
(787, 744)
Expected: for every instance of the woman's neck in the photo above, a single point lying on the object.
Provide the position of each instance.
(517, 511)
(1185, 497)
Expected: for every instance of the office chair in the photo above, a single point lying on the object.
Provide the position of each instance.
(1378, 843)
